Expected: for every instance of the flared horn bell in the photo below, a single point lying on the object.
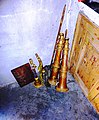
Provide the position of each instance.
(56, 64)
(62, 85)
(37, 83)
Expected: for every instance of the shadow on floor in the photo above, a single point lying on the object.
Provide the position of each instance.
(29, 103)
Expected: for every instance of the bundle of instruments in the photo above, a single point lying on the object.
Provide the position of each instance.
(59, 67)
(39, 82)
(59, 62)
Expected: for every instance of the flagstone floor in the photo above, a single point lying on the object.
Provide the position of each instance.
(29, 103)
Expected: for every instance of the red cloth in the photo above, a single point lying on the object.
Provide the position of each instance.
(81, 0)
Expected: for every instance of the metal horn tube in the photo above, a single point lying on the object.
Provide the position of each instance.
(56, 65)
(62, 85)
(60, 25)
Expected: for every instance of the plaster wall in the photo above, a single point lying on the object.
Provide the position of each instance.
(28, 27)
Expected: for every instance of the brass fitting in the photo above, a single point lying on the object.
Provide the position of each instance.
(37, 83)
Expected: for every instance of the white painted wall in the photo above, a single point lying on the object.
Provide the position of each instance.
(27, 27)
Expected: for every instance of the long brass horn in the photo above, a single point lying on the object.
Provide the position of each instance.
(60, 25)
(62, 85)
(56, 64)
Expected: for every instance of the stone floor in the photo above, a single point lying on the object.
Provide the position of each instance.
(29, 103)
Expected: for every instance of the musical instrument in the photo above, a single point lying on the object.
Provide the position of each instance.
(60, 25)
(37, 83)
(40, 68)
(62, 85)
(56, 64)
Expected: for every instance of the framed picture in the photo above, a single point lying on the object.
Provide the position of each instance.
(23, 74)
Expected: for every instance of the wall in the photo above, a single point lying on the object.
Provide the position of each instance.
(28, 27)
